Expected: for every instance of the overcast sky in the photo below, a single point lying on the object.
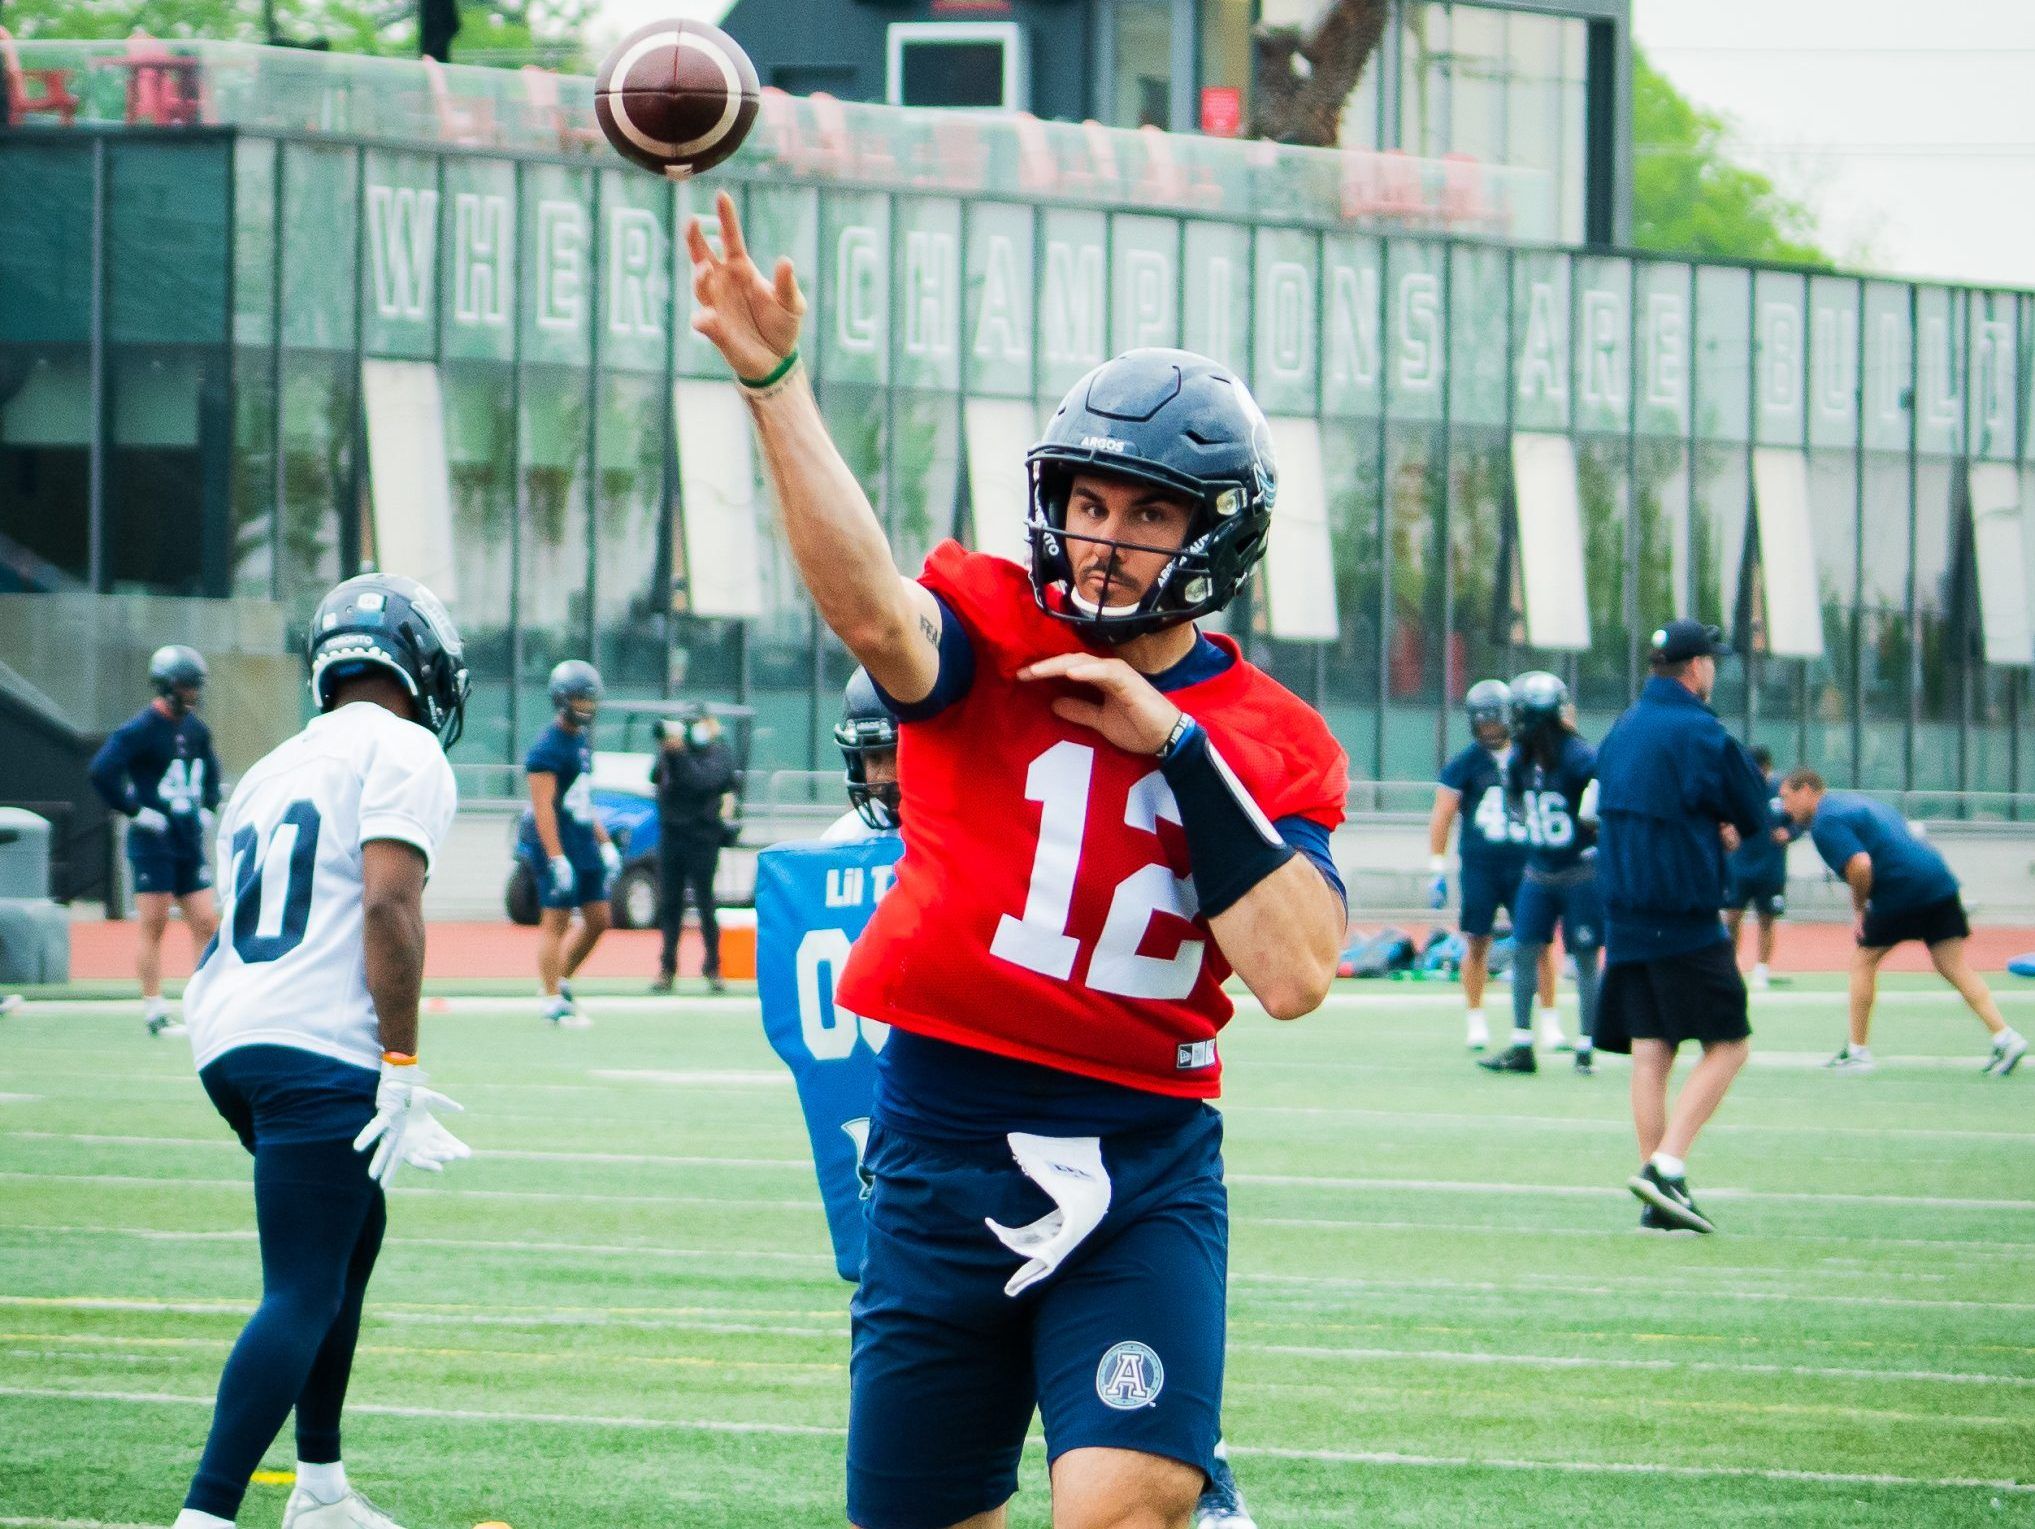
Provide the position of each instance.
(1909, 129)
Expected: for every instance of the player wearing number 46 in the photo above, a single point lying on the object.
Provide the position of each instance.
(303, 1021)
(158, 770)
(1493, 852)
(563, 842)
(1106, 812)
(1549, 781)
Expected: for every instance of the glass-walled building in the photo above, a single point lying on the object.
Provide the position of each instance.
(239, 360)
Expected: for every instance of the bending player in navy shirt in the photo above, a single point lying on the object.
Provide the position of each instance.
(158, 770)
(1493, 851)
(1901, 889)
(1549, 780)
(1757, 875)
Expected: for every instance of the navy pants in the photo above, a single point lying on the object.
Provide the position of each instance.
(320, 1219)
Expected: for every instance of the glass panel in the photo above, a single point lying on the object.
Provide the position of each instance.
(1540, 340)
(1662, 295)
(552, 593)
(557, 244)
(1603, 677)
(1350, 467)
(1603, 344)
(1832, 680)
(1352, 327)
(478, 274)
(480, 455)
(1477, 90)
(409, 484)
(318, 424)
(1994, 381)
(632, 600)
(1780, 359)
(399, 267)
(1834, 360)
(1288, 281)
(1000, 286)
(1073, 299)
(167, 241)
(1554, 597)
(254, 240)
(1889, 341)
(1415, 330)
(1939, 371)
(1299, 583)
(320, 194)
(1415, 630)
(1216, 300)
(1141, 34)
(1883, 618)
(636, 273)
(1939, 628)
(1723, 371)
(1424, 78)
(1478, 373)
(926, 331)
(1145, 284)
(1480, 582)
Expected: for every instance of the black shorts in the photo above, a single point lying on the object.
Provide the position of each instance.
(1697, 996)
(1931, 924)
(1768, 899)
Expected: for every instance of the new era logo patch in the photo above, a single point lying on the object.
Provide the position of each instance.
(1194, 1054)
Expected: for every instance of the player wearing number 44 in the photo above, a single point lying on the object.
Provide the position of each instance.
(303, 1020)
(158, 770)
(1108, 812)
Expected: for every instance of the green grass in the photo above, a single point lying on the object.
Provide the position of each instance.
(1408, 1345)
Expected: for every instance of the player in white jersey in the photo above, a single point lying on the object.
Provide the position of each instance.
(303, 1021)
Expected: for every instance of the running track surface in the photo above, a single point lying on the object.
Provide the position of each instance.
(105, 950)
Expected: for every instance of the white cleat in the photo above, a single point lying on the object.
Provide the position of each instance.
(164, 1022)
(11, 1003)
(1479, 1033)
(2006, 1056)
(1759, 981)
(566, 1016)
(1552, 1039)
(1848, 1060)
(352, 1511)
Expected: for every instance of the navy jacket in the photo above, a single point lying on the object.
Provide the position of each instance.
(1667, 774)
(165, 763)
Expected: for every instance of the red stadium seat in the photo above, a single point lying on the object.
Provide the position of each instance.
(38, 92)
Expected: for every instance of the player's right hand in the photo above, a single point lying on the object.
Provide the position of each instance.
(148, 820)
(564, 879)
(752, 322)
(404, 1130)
(1438, 892)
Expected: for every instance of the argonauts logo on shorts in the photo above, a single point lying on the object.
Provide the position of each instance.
(1129, 1377)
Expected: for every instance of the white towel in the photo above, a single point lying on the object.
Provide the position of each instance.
(1069, 1169)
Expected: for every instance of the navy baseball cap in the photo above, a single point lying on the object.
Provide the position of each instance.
(1680, 640)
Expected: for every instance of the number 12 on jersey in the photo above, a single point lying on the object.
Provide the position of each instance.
(1038, 939)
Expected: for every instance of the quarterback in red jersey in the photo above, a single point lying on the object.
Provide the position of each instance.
(1111, 812)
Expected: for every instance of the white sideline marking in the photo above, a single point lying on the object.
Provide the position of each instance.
(1475, 1228)
(143, 1181)
(1325, 1456)
(18, 1099)
(1623, 1129)
(470, 1244)
(11, 1522)
(1289, 1180)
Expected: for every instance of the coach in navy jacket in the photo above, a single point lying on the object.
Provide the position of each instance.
(1668, 775)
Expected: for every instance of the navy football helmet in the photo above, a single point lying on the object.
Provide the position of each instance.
(1182, 423)
(173, 667)
(387, 621)
(1489, 702)
(867, 727)
(572, 682)
(1538, 701)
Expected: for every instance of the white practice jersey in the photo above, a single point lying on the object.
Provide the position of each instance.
(288, 967)
(849, 826)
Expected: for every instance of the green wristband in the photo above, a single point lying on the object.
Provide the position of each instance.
(776, 375)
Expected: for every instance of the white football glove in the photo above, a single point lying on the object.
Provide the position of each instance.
(611, 860)
(564, 879)
(148, 820)
(403, 1130)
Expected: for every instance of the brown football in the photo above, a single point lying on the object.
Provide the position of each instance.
(676, 97)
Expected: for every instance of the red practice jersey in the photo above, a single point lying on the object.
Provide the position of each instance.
(1044, 908)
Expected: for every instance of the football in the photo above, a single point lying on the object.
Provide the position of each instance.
(676, 97)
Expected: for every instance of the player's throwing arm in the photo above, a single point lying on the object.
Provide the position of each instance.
(887, 621)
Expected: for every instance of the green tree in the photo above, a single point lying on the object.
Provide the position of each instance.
(1689, 198)
(512, 32)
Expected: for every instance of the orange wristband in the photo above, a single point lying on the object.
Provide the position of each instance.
(399, 1059)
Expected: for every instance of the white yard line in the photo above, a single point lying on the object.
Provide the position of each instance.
(1324, 1456)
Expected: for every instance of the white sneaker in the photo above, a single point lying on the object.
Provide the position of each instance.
(1552, 1038)
(163, 1021)
(352, 1511)
(2007, 1053)
(1760, 981)
(564, 1013)
(1848, 1060)
(1479, 1033)
(11, 1002)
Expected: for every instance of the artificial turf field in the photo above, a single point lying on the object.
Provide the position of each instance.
(622, 1313)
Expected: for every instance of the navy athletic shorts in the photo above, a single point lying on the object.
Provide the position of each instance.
(1571, 900)
(1120, 1348)
(1766, 898)
(1489, 885)
(156, 867)
(590, 882)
